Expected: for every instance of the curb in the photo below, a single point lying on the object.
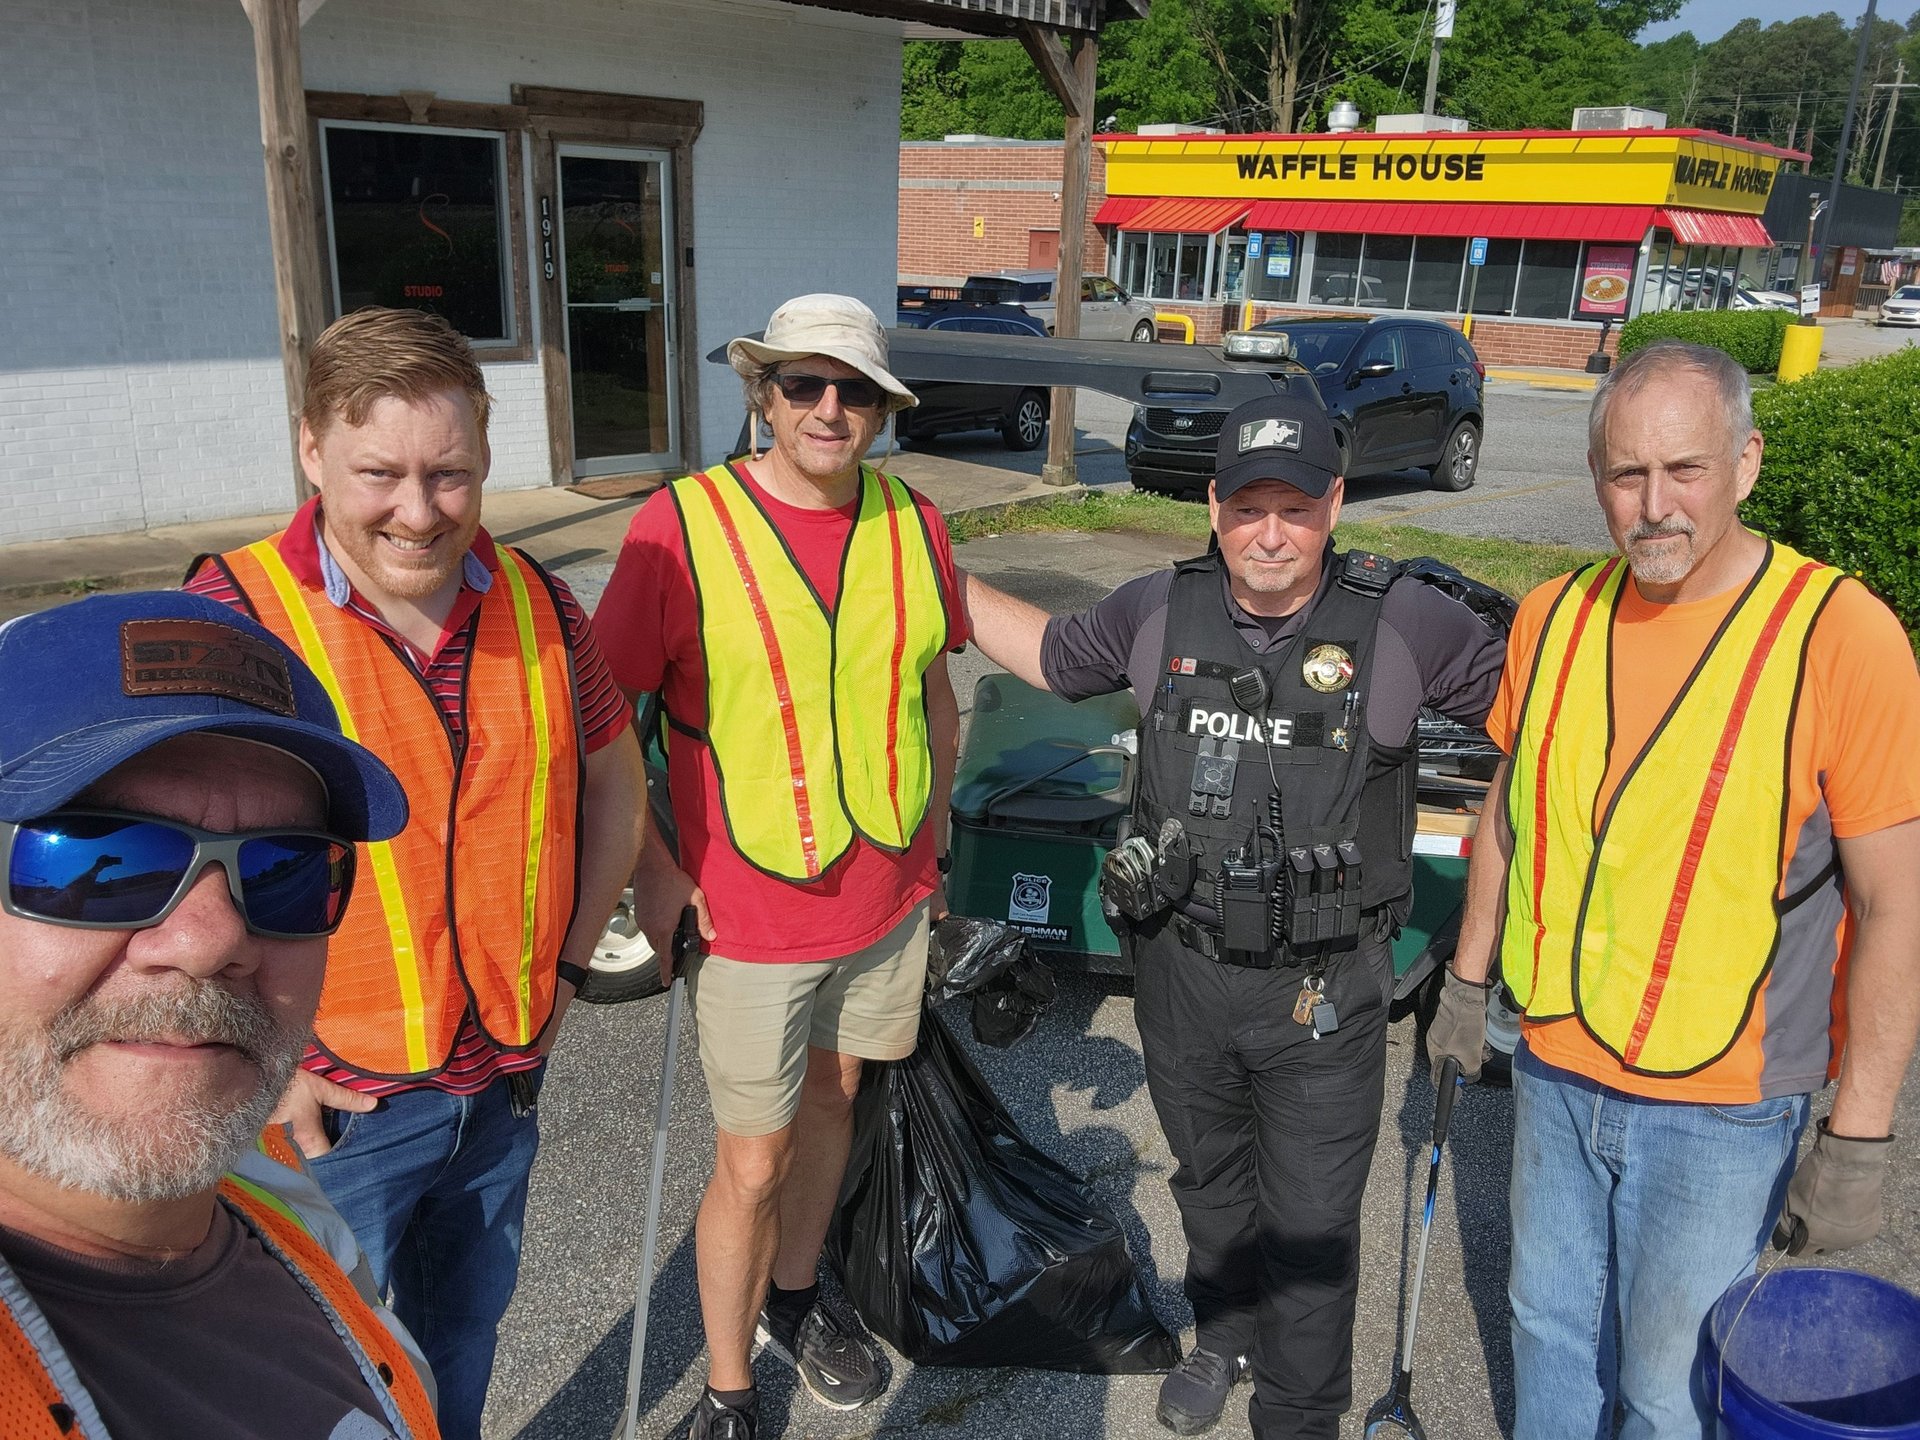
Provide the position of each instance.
(1534, 380)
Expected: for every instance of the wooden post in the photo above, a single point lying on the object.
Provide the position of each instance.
(290, 201)
(1069, 73)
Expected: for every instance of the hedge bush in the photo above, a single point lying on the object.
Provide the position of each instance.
(1841, 478)
(1750, 336)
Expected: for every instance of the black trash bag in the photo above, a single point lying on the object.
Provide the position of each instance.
(961, 1244)
(995, 964)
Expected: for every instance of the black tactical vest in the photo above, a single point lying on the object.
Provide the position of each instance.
(1209, 762)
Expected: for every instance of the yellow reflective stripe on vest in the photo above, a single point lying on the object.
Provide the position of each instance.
(1676, 922)
(816, 722)
(386, 875)
(542, 776)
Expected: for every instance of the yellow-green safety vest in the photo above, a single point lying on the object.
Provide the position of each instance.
(816, 714)
(1657, 921)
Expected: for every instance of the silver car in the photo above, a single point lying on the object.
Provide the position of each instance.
(1902, 307)
(1106, 311)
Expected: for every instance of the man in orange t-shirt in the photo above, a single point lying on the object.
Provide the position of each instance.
(1701, 874)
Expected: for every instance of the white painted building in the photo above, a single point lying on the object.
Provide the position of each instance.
(699, 161)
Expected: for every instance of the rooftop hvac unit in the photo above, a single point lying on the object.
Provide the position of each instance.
(1618, 117)
(1343, 118)
(1416, 124)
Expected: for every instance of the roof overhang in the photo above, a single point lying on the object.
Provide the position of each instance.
(972, 19)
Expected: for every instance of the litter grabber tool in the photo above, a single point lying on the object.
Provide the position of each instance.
(1392, 1414)
(686, 942)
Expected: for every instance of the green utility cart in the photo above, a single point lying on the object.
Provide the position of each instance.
(1038, 798)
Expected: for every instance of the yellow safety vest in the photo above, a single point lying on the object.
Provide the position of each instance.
(816, 716)
(1656, 921)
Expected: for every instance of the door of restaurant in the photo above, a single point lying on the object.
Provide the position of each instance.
(616, 256)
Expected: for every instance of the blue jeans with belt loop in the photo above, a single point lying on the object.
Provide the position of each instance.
(435, 1188)
(1633, 1213)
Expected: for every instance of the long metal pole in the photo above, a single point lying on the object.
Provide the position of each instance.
(1846, 125)
(1886, 134)
(1433, 77)
(650, 1232)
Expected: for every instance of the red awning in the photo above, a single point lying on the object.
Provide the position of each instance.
(1709, 227)
(1119, 209)
(1174, 214)
(1499, 222)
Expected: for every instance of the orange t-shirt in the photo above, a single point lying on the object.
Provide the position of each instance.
(1854, 764)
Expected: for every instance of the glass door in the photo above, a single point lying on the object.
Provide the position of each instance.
(616, 228)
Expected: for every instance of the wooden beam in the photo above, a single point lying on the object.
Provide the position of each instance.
(284, 142)
(394, 110)
(1069, 73)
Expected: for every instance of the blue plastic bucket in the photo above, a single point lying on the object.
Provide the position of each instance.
(1815, 1355)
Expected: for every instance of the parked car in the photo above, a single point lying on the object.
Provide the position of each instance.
(1336, 287)
(1106, 311)
(1018, 412)
(1902, 307)
(1745, 299)
(1403, 394)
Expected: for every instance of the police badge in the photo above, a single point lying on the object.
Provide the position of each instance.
(1327, 668)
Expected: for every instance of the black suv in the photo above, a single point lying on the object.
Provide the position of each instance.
(1402, 394)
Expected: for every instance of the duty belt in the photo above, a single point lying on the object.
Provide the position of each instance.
(1205, 942)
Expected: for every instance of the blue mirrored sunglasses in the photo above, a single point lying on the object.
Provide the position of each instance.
(108, 870)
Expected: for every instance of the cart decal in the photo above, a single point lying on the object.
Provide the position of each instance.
(1032, 899)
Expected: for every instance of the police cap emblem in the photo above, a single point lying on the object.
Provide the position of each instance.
(1327, 668)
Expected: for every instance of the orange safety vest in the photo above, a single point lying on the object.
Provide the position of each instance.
(43, 1398)
(1656, 918)
(467, 908)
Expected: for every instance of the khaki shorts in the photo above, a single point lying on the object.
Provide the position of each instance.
(756, 1021)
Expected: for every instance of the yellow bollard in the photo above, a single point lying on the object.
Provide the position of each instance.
(1799, 352)
(1174, 320)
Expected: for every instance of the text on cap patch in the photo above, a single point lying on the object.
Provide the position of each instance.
(203, 657)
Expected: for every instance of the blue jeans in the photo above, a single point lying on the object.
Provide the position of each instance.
(435, 1188)
(1632, 1213)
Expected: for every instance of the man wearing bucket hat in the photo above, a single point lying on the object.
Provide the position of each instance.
(178, 813)
(1700, 871)
(793, 610)
(1259, 891)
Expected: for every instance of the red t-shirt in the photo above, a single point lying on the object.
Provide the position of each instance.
(649, 629)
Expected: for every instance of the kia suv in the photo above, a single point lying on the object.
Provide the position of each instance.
(1402, 394)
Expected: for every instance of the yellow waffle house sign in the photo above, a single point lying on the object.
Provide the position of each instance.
(1653, 167)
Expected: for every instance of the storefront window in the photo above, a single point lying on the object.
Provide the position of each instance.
(416, 219)
(1133, 264)
(1653, 293)
(1336, 264)
(1275, 276)
(1161, 251)
(1383, 271)
(1686, 267)
(1437, 262)
(1189, 283)
(1548, 271)
(1492, 290)
(1230, 266)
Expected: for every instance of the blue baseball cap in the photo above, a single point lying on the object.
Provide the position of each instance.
(92, 684)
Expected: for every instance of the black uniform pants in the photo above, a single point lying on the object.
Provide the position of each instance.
(1273, 1132)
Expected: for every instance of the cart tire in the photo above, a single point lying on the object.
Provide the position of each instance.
(623, 967)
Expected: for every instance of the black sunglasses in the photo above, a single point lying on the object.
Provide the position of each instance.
(107, 870)
(856, 394)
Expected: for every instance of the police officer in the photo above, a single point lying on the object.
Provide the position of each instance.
(1260, 885)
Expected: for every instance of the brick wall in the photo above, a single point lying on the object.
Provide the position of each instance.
(139, 361)
(1543, 343)
(1013, 188)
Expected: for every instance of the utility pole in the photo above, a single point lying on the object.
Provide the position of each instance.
(1442, 30)
(1846, 125)
(1893, 104)
(1793, 126)
(1734, 129)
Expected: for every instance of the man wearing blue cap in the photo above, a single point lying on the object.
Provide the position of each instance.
(1264, 878)
(178, 813)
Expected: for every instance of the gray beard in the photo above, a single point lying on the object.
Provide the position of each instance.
(47, 1131)
(1664, 565)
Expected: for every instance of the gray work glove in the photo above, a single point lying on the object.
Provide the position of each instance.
(1833, 1202)
(1459, 1027)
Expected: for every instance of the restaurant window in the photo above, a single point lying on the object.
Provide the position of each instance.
(1492, 289)
(1162, 255)
(1548, 272)
(1336, 265)
(1437, 263)
(1653, 291)
(1132, 266)
(1190, 279)
(417, 219)
(1275, 276)
(1385, 260)
(1170, 267)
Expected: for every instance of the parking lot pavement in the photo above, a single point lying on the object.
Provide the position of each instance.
(1077, 1088)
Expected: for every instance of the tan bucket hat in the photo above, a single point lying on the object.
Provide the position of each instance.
(837, 326)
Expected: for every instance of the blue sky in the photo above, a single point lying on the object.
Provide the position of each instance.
(1710, 19)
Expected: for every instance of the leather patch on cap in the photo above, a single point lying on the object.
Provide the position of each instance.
(203, 657)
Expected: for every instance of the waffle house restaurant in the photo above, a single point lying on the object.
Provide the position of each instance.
(1537, 235)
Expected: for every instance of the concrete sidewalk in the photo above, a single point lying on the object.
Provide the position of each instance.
(557, 526)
